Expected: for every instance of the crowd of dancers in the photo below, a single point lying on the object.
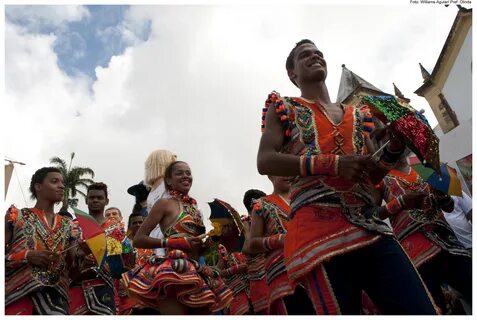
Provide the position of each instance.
(318, 244)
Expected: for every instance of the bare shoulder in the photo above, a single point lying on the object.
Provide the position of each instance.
(163, 207)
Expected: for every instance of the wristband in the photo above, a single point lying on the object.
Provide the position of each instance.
(232, 270)
(395, 206)
(175, 243)
(388, 159)
(392, 156)
(20, 256)
(321, 164)
(272, 242)
(385, 165)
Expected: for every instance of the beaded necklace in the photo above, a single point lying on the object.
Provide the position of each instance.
(190, 205)
(183, 197)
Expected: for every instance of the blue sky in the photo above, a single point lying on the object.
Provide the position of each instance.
(84, 44)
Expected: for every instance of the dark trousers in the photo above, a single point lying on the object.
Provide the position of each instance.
(299, 303)
(387, 275)
(447, 268)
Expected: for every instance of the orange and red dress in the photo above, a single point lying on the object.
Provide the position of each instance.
(275, 213)
(236, 280)
(132, 257)
(177, 275)
(421, 237)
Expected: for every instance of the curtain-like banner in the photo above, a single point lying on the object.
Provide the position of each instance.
(8, 175)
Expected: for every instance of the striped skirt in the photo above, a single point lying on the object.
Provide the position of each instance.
(179, 277)
(277, 278)
(318, 233)
(259, 290)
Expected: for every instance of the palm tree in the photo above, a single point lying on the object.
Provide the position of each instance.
(73, 179)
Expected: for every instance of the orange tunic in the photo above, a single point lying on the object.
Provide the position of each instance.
(421, 240)
(22, 280)
(275, 211)
(326, 210)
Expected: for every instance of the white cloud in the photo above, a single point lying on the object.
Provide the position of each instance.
(197, 87)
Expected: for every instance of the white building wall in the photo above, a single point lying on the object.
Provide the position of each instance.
(457, 143)
(458, 87)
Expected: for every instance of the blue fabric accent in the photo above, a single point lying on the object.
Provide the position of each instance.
(320, 295)
(308, 165)
(367, 129)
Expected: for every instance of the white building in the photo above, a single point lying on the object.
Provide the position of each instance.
(448, 90)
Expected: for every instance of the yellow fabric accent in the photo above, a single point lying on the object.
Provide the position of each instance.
(97, 245)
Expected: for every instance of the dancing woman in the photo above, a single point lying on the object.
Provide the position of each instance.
(176, 283)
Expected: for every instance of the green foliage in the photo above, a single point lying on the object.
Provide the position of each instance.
(74, 179)
(212, 254)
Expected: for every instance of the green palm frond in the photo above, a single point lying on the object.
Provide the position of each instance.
(79, 171)
(60, 164)
(58, 161)
(85, 182)
(82, 184)
(73, 178)
(73, 191)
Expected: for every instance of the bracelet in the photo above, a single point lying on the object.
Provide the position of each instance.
(175, 243)
(319, 164)
(232, 270)
(396, 205)
(395, 152)
(19, 256)
(273, 242)
(390, 156)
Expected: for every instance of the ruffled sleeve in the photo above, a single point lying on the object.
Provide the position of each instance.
(259, 209)
(367, 117)
(275, 101)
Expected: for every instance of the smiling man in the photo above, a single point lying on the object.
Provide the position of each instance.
(333, 245)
